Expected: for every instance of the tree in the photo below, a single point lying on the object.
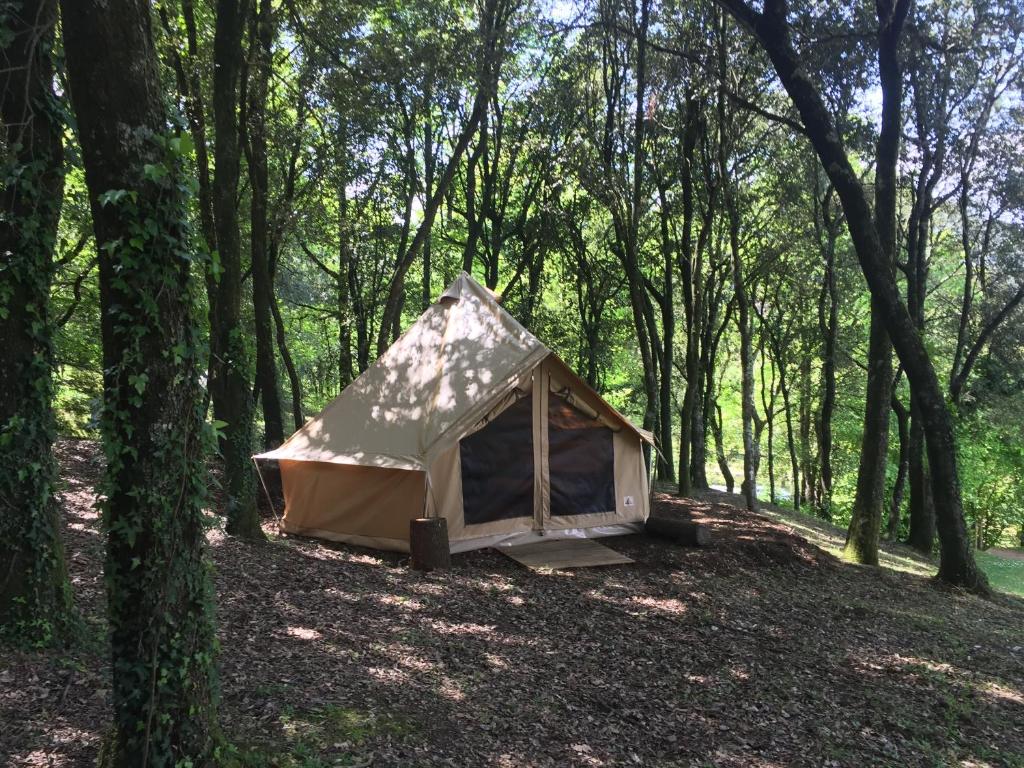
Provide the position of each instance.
(35, 595)
(866, 520)
(494, 17)
(159, 603)
(772, 30)
(230, 363)
(263, 33)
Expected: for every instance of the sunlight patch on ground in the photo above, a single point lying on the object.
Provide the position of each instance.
(426, 588)
(303, 633)
(667, 605)
(400, 601)
(833, 540)
(1002, 692)
(388, 675)
(479, 630)
(496, 662)
(414, 663)
(346, 597)
(451, 690)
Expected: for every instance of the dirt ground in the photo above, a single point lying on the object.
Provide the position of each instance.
(762, 650)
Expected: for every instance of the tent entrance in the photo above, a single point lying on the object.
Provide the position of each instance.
(581, 461)
(497, 467)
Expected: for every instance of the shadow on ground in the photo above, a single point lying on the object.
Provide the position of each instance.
(763, 650)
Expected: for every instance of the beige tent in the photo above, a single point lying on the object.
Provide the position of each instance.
(467, 417)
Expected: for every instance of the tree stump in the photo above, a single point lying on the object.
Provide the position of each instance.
(683, 532)
(428, 543)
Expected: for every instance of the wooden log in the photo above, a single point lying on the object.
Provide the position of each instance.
(684, 532)
(428, 543)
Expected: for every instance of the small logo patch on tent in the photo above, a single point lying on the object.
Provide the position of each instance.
(627, 501)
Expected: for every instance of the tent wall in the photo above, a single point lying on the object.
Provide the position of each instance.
(368, 506)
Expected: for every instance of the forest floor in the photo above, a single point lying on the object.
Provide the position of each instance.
(762, 650)
(1004, 567)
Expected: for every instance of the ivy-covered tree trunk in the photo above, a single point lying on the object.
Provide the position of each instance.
(231, 367)
(159, 599)
(866, 515)
(35, 596)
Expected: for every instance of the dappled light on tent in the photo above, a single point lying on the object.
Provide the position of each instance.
(470, 418)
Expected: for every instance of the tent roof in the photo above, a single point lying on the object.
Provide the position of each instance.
(432, 385)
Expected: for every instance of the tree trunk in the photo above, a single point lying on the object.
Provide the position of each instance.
(828, 322)
(957, 565)
(159, 595)
(35, 596)
(684, 532)
(723, 464)
(699, 434)
(921, 535)
(262, 289)
(690, 273)
(790, 437)
(473, 222)
(429, 165)
(495, 15)
(866, 519)
(903, 424)
(768, 395)
(627, 211)
(666, 302)
(230, 371)
(282, 347)
(751, 456)
(345, 266)
(808, 471)
(428, 544)
(190, 89)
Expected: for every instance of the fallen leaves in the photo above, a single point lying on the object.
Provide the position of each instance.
(759, 651)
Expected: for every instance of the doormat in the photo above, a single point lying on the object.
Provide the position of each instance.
(564, 553)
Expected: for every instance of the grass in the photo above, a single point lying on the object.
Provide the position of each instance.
(1003, 574)
(317, 738)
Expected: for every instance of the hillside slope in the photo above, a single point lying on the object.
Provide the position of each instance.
(763, 650)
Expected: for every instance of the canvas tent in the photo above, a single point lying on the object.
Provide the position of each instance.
(468, 416)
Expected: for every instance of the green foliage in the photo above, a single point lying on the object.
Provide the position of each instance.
(317, 738)
(992, 462)
(354, 125)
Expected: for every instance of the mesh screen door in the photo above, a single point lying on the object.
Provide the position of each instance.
(581, 462)
(497, 467)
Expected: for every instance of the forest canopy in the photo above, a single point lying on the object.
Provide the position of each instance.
(626, 177)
